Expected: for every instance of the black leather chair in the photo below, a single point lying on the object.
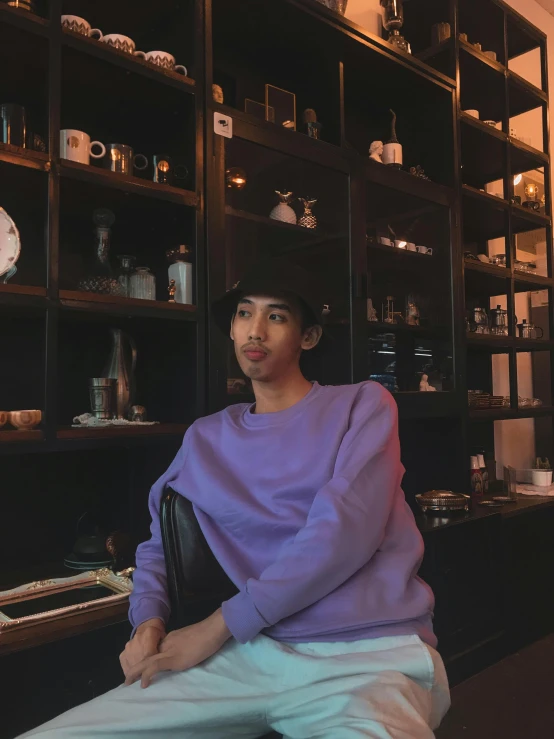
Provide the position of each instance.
(196, 582)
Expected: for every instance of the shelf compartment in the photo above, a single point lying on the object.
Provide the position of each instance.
(523, 96)
(416, 405)
(490, 342)
(524, 158)
(129, 62)
(522, 36)
(484, 215)
(414, 189)
(24, 157)
(524, 219)
(486, 279)
(525, 282)
(127, 183)
(483, 152)
(97, 303)
(481, 84)
(121, 432)
(428, 332)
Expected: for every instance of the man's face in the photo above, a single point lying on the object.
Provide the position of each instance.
(268, 336)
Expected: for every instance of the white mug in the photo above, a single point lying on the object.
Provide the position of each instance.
(118, 41)
(385, 241)
(79, 25)
(400, 243)
(162, 59)
(77, 146)
(410, 246)
(424, 249)
(472, 112)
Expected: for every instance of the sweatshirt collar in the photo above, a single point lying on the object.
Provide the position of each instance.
(264, 420)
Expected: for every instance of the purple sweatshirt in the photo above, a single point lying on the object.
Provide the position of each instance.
(304, 511)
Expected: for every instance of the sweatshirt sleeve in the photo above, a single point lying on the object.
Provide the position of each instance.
(149, 598)
(345, 526)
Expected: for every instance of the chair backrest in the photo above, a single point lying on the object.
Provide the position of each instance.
(197, 584)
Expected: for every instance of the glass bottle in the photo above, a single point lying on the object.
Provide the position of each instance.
(143, 284)
(126, 268)
(100, 278)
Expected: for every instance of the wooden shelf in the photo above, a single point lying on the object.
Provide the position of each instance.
(121, 432)
(503, 414)
(480, 56)
(486, 279)
(525, 281)
(128, 183)
(524, 158)
(502, 273)
(524, 219)
(424, 332)
(523, 96)
(24, 20)
(97, 303)
(13, 436)
(417, 187)
(396, 253)
(271, 222)
(490, 341)
(483, 151)
(131, 63)
(23, 296)
(24, 157)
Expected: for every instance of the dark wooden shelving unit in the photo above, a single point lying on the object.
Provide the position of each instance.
(57, 336)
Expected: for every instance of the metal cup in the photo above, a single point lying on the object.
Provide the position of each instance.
(102, 394)
(13, 124)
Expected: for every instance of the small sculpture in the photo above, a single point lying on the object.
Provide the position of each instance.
(376, 151)
(371, 312)
(307, 219)
(283, 212)
(412, 312)
(392, 151)
(313, 127)
(424, 386)
(172, 289)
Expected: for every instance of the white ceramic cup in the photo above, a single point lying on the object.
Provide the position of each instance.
(79, 25)
(400, 243)
(77, 146)
(120, 42)
(385, 241)
(472, 112)
(162, 59)
(542, 478)
(424, 249)
(410, 246)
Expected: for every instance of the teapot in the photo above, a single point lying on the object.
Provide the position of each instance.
(529, 330)
(499, 321)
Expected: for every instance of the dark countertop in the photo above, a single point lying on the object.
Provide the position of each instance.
(428, 522)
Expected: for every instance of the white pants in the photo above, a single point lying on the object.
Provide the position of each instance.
(385, 688)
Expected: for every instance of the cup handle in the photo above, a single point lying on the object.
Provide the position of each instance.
(102, 150)
(145, 160)
(181, 69)
(140, 53)
(538, 328)
(96, 33)
(181, 172)
(429, 250)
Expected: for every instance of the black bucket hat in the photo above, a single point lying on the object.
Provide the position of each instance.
(272, 277)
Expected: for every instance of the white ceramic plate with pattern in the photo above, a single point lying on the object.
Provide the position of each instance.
(10, 243)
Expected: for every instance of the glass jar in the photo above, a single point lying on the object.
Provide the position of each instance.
(143, 284)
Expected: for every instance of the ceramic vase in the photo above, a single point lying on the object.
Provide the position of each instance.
(283, 212)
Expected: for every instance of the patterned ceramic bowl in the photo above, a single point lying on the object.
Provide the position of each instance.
(3, 418)
(25, 420)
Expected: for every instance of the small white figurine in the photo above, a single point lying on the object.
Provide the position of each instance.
(376, 151)
(424, 386)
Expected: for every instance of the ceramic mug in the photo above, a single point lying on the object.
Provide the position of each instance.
(424, 249)
(472, 112)
(79, 25)
(120, 42)
(3, 418)
(77, 146)
(387, 242)
(400, 243)
(123, 160)
(410, 246)
(165, 171)
(162, 59)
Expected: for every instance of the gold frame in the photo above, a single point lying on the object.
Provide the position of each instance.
(120, 583)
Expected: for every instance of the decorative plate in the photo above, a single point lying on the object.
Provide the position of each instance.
(10, 243)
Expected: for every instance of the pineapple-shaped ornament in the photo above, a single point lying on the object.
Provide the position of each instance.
(283, 212)
(392, 150)
(307, 219)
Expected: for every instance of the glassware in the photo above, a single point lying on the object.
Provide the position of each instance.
(126, 268)
(307, 219)
(143, 284)
(100, 278)
(393, 21)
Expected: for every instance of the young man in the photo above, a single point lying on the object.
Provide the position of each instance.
(299, 498)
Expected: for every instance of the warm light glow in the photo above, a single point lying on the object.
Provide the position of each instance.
(236, 178)
(402, 244)
(517, 179)
(531, 191)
